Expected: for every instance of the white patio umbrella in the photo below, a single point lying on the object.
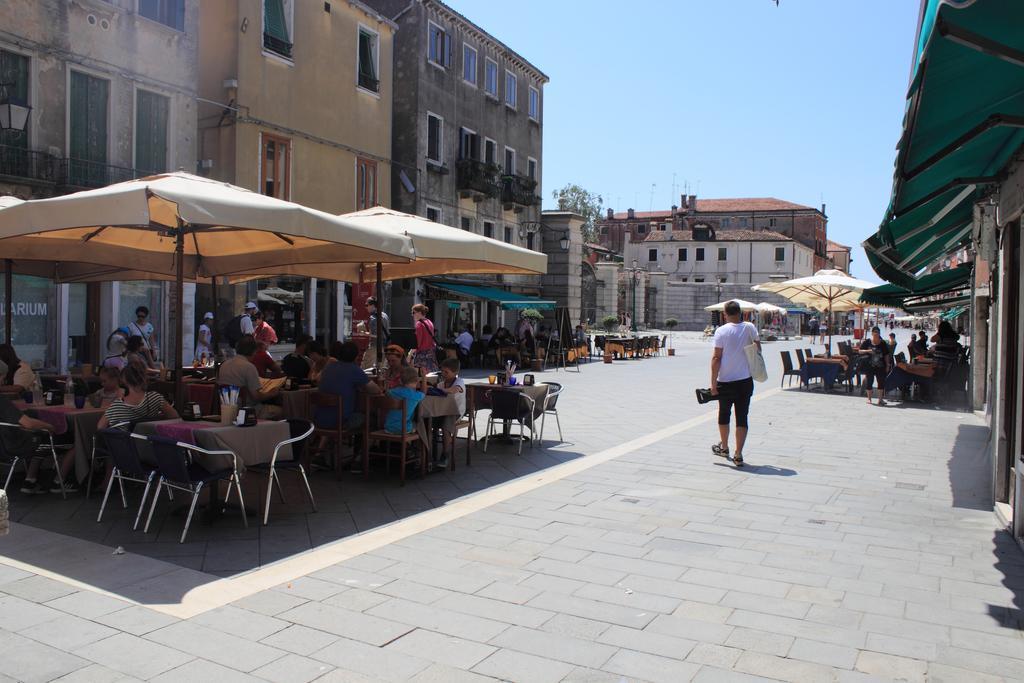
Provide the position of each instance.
(189, 227)
(745, 306)
(765, 307)
(831, 290)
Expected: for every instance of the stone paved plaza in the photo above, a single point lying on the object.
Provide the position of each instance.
(858, 544)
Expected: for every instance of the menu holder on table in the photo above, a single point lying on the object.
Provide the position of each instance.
(267, 385)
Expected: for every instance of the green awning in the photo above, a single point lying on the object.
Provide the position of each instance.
(507, 300)
(922, 306)
(964, 120)
(953, 313)
(932, 284)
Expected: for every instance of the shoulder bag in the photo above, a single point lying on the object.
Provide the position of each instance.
(756, 361)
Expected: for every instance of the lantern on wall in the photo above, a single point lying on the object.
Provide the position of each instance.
(13, 112)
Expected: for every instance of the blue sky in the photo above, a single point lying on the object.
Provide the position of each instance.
(738, 98)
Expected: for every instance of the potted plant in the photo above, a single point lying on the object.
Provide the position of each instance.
(609, 323)
(670, 324)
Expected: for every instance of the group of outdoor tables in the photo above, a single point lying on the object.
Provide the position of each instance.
(827, 368)
(629, 347)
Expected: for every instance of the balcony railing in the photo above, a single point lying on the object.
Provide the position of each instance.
(26, 163)
(478, 176)
(516, 189)
(81, 173)
(369, 83)
(277, 46)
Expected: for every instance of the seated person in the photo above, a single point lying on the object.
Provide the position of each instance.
(24, 443)
(581, 336)
(454, 386)
(19, 377)
(412, 395)
(296, 364)
(265, 364)
(345, 379)
(486, 334)
(464, 341)
(110, 388)
(137, 404)
(239, 371)
(922, 342)
(395, 357)
(135, 354)
(319, 359)
(505, 345)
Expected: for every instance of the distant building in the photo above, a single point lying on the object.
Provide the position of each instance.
(839, 256)
(804, 224)
(704, 254)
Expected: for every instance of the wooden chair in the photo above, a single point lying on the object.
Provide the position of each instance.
(338, 434)
(376, 410)
(800, 358)
(467, 422)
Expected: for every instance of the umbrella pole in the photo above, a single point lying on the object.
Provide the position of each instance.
(8, 301)
(216, 317)
(179, 294)
(380, 312)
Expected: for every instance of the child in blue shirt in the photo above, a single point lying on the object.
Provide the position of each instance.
(412, 396)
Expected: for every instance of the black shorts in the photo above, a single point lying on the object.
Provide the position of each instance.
(874, 374)
(737, 394)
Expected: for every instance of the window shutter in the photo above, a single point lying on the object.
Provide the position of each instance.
(274, 20)
(151, 113)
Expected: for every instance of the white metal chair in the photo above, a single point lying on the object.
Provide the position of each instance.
(45, 448)
(299, 430)
(551, 406)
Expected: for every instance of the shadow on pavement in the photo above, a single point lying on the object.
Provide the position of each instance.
(970, 475)
(765, 470)
(1010, 562)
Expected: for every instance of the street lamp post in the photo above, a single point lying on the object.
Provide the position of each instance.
(634, 273)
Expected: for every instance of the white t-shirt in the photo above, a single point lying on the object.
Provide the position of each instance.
(202, 346)
(144, 330)
(460, 396)
(246, 323)
(731, 338)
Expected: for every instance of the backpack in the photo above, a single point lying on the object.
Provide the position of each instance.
(233, 330)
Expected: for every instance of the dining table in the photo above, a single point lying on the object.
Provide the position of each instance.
(252, 445)
(478, 397)
(66, 419)
(827, 369)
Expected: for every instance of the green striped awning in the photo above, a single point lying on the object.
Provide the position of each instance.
(964, 120)
(932, 284)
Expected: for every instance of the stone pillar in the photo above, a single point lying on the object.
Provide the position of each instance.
(659, 282)
(562, 282)
(607, 289)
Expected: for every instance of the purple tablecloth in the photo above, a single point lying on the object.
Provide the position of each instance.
(183, 431)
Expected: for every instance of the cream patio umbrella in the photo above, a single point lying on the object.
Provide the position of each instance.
(185, 226)
(831, 290)
(439, 250)
(745, 306)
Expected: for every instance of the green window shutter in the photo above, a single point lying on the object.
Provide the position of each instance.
(14, 70)
(88, 125)
(274, 20)
(151, 113)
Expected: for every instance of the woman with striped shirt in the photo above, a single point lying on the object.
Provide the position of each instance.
(138, 404)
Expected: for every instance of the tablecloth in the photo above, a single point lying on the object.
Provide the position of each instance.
(295, 403)
(901, 378)
(436, 406)
(828, 372)
(253, 445)
(82, 424)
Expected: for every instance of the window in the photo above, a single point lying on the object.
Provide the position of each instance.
(439, 49)
(490, 151)
(491, 78)
(771, 222)
(488, 229)
(168, 12)
(368, 60)
(469, 64)
(641, 229)
(780, 253)
(276, 28)
(663, 227)
(508, 234)
(723, 253)
(652, 255)
(14, 72)
(469, 144)
(534, 109)
(725, 222)
(743, 222)
(433, 213)
(511, 87)
(274, 166)
(684, 279)
(531, 168)
(682, 254)
(88, 127)
(467, 223)
(529, 240)
(435, 138)
(366, 183)
(698, 279)
(722, 279)
(700, 253)
(151, 111)
(510, 161)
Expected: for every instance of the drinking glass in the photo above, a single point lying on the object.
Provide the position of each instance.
(491, 379)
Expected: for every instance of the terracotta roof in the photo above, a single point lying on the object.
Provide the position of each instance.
(720, 236)
(835, 246)
(741, 205)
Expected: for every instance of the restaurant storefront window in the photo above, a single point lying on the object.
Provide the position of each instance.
(34, 322)
(135, 293)
(282, 301)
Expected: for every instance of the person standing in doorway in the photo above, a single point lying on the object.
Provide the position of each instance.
(204, 344)
(143, 328)
(425, 356)
(731, 380)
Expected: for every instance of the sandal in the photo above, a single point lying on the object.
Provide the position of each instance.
(720, 450)
(738, 460)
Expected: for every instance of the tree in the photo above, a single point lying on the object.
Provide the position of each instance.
(589, 205)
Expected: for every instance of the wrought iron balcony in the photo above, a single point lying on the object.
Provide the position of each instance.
(516, 189)
(369, 83)
(20, 162)
(81, 173)
(478, 176)
(277, 46)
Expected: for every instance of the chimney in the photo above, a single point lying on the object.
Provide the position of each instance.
(675, 209)
(611, 213)
(630, 214)
(823, 209)
(693, 203)
(682, 201)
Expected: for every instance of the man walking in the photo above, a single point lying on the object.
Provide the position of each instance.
(371, 308)
(731, 380)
